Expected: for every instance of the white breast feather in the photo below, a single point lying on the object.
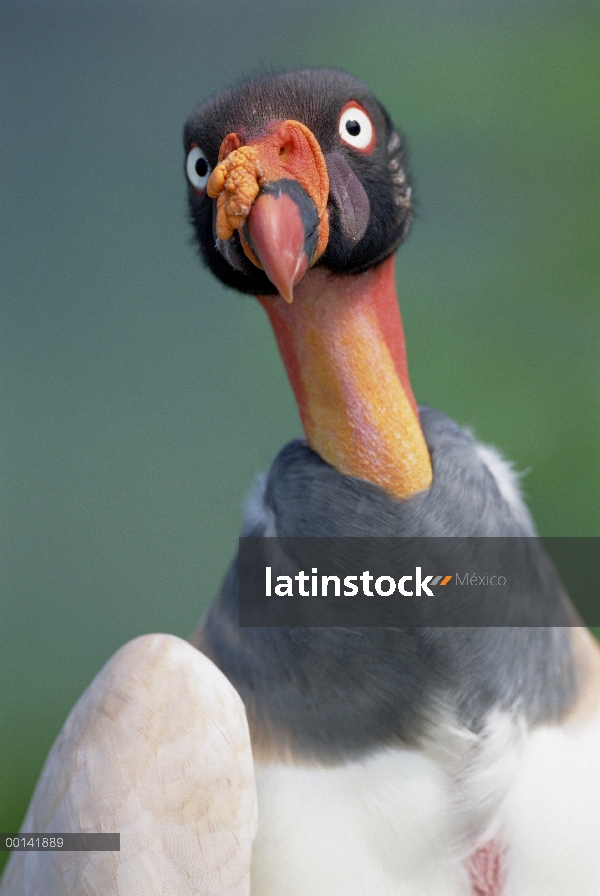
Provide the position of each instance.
(404, 822)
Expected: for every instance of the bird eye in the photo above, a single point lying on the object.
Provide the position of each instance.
(197, 168)
(356, 129)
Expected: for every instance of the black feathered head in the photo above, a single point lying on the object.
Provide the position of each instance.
(314, 150)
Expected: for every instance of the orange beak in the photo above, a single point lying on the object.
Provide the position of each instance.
(273, 190)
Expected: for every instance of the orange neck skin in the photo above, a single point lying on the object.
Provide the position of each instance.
(342, 344)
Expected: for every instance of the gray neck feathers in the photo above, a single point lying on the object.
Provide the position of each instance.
(339, 693)
(474, 492)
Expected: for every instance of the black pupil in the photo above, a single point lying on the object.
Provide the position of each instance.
(353, 128)
(201, 167)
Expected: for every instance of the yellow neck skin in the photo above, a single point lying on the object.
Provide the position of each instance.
(343, 347)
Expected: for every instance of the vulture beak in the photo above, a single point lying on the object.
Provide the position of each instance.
(273, 190)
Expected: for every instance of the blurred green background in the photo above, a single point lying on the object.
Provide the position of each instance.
(139, 399)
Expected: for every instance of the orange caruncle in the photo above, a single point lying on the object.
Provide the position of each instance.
(236, 181)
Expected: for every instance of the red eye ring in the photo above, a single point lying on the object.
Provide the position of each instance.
(356, 128)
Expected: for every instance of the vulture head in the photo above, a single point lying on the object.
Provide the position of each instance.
(292, 171)
(298, 195)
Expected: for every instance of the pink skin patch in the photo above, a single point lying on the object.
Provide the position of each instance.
(277, 234)
(486, 870)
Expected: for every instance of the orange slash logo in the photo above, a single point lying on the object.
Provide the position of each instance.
(440, 581)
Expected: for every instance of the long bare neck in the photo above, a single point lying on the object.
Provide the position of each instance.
(343, 347)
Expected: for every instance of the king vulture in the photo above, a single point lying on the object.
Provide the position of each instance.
(389, 761)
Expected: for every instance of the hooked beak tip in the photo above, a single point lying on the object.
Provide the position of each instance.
(282, 231)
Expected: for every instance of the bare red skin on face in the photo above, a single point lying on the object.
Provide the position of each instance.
(287, 150)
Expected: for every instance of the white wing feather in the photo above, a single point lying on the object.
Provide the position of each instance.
(157, 749)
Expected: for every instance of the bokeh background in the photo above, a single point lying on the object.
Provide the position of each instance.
(139, 399)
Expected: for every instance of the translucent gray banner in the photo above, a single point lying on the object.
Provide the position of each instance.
(37, 842)
(416, 582)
